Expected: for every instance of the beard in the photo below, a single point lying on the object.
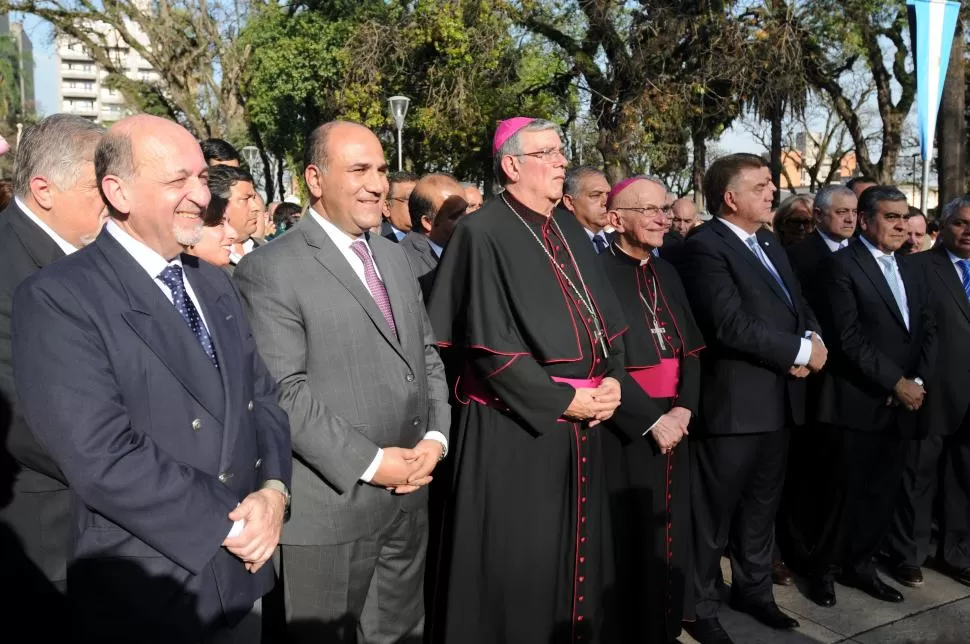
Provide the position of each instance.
(189, 236)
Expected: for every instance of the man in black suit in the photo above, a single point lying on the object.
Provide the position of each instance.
(138, 372)
(761, 344)
(877, 319)
(945, 441)
(56, 209)
(836, 217)
(802, 518)
(436, 205)
(584, 194)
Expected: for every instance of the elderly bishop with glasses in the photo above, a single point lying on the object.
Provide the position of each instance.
(645, 443)
(531, 333)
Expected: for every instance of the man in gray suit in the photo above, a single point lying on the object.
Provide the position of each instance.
(436, 204)
(339, 319)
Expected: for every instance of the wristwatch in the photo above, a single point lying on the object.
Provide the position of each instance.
(279, 486)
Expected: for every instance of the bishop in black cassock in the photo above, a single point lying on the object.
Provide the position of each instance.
(647, 460)
(531, 335)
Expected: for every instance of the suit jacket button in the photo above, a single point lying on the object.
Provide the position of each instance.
(409, 377)
(196, 424)
(250, 405)
(224, 476)
(259, 461)
(415, 422)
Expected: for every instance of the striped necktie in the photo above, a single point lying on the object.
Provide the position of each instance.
(965, 269)
(760, 254)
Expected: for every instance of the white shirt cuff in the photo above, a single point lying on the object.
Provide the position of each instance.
(371, 470)
(650, 429)
(237, 528)
(804, 353)
(438, 436)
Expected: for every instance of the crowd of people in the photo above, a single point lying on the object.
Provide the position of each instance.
(398, 414)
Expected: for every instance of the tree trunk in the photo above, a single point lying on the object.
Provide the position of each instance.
(951, 127)
(698, 166)
(777, 112)
(280, 168)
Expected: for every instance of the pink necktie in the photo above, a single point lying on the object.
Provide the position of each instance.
(374, 283)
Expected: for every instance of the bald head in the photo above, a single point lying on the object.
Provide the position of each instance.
(436, 204)
(152, 175)
(684, 214)
(346, 174)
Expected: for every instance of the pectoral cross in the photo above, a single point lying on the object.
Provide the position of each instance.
(600, 336)
(659, 330)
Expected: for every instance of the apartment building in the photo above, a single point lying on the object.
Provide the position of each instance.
(81, 86)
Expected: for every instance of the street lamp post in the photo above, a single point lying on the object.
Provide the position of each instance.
(399, 108)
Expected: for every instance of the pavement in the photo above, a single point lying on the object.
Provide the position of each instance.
(936, 613)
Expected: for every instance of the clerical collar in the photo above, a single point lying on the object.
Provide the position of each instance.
(627, 257)
(530, 215)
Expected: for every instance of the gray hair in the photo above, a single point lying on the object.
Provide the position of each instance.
(953, 208)
(54, 148)
(825, 196)
(575, 176)
(513, 145)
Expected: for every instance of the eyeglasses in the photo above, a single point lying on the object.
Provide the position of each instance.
(650, 211)
(799, 223)
(546, 154)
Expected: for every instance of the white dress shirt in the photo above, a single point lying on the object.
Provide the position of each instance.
(805, 346)
(832, 244)
(876, 254)
(343, 242)
(62, 243)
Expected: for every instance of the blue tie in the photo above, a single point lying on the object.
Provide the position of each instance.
(760, 254)
(888, 263)
(599, 243)
(965, 268)
(172, 278)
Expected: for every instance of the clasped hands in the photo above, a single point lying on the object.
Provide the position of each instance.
(907, 393)
(815, 361)
(595, 405)
(403, 471)
(670, 429)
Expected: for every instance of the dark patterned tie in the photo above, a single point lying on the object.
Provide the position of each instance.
(172, 278)
(374, 283)
(599, 243)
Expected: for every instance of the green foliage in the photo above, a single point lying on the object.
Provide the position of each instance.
(455, 60)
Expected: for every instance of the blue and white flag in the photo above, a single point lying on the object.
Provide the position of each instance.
(931, 27)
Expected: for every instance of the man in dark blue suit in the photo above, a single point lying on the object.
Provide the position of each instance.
(137, 371)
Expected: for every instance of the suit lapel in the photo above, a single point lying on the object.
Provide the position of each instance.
(871, 268)
(42, 249)
(153, 318)
(225, 336)
(739, 247)
(329, 256)
(946, 272)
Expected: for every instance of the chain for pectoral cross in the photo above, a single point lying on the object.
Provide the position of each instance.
(657, 329)
(599, 334)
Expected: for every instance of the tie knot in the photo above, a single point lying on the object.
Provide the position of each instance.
(360, 249)
(889, 261)
(171, 276)
(753, 242)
